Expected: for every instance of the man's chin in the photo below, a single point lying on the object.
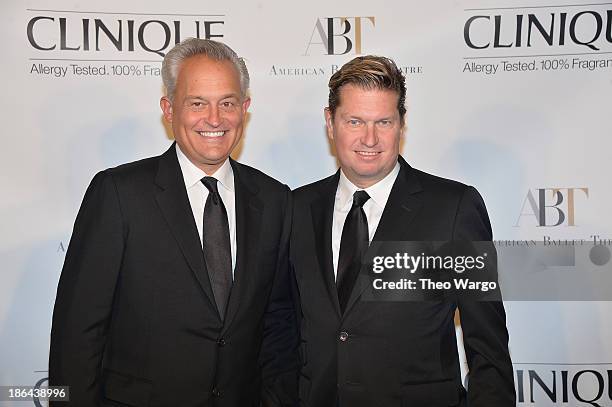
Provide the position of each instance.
(364, 179)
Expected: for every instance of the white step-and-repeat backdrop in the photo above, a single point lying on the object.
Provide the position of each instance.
(511, 97)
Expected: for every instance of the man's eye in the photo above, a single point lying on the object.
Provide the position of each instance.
(354, 122)
(197, 104)
(385, 123)
(228, 105)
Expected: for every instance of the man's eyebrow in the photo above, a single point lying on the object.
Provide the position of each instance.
(226, 96)
(350, 116)
(230, 95)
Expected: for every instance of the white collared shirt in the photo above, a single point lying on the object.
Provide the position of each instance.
(197, 193)
(373, 208)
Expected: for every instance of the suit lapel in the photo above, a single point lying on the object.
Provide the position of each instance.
(175, 207)
(403, 205)
(249, 208)
(322, 210)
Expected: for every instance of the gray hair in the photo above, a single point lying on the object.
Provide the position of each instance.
(195, 46)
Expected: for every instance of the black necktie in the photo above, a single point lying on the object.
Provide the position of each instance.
(353, 244)
(216, 245)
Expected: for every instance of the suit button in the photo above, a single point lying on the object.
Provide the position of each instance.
(221, 342)
(344, 336)
(216, 392)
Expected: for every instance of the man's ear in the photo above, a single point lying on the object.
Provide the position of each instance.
(329, 123)
(166, 107)
(245, 104)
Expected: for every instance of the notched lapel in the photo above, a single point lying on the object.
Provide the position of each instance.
(249, 211)
(322, 210)
(174, 205)
(404, 204)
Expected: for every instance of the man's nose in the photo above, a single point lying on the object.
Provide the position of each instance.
(213, 118)
(369, 138)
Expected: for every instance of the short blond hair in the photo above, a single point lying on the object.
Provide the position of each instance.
(369, 72)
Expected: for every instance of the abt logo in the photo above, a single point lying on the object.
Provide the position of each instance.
(339, 35)
(552, 206)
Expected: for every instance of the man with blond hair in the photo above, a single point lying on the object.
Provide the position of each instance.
(362, 353)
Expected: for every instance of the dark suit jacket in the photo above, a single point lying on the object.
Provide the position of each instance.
(396, 353)
(135, 321)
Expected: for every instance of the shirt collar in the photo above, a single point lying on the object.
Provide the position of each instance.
(379, 192)
(193, 175)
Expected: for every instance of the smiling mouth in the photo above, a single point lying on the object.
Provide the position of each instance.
(211, 134)
(368, 153)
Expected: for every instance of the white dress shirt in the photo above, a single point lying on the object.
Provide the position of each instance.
(197, 193)
(373, 208)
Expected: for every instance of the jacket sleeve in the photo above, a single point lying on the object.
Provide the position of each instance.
(83, 305)
(279, 356)
(485, 337)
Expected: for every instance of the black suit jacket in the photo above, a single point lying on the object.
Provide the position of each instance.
(135, 321)
(396, 353)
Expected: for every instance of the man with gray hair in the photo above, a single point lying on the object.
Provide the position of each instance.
(175, 289)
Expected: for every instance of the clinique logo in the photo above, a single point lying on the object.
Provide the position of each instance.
(566, 387)
(589, 29)
(72, 33)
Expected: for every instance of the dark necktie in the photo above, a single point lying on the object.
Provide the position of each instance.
(353, 244)
(216, 245)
